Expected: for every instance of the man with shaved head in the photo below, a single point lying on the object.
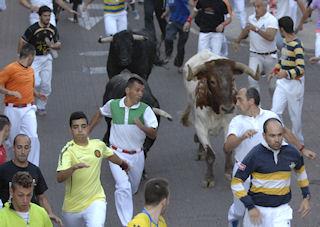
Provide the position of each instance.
(246, 131)
(269, 166)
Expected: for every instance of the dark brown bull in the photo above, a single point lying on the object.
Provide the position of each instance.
(210, 83)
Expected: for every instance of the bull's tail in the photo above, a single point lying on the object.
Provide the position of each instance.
(162, 113)
(185, 116)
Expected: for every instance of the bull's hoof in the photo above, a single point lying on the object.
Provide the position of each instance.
(208, 183)
(228, 176)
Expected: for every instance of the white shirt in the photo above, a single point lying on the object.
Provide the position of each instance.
(42, 2)
(241, 123)
(257, 42)
(128, 136)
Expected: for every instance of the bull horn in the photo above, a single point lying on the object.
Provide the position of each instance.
(162, 113)
(107, 39)
(247, 70)
(139, 37)
(195, 71)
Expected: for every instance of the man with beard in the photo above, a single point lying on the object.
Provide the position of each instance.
(269, 164)
(156, 196)
(21, 149)
(45, 38)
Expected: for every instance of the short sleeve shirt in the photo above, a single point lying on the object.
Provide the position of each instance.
(36, 35)
(241, 123)
(316, 5)
(84, 186)
(212, 13)
(9, 169)
(257, 42)
(129, 136)
(142, 220)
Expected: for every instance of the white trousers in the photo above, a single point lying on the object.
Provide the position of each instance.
(237, 209)
(115, 22)
(240, 10)
(266, 64)
(34, 17)
(212, 41)
(42, 66)
(93, 216)
(293, 98)
(127, 184)
(24, 121)
(317, 45)
(271, 217)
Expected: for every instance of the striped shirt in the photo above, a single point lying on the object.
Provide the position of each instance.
(270, 176)
(113, 6)
(292, 59)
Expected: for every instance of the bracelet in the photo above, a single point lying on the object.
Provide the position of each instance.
(189, 19)
(301, 148)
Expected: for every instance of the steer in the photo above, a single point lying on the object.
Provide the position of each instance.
(115, 89)
(135, 52)
(210, 84)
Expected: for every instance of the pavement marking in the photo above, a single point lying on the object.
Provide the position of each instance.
(88, 22)
(97, 53)
(94, 70)
(95, 6)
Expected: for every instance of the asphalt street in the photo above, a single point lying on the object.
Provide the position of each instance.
(78, 83)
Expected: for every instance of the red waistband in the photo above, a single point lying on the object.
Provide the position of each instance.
(19, 105)
(123, 150)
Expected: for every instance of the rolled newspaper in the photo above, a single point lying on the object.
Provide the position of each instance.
(53, 52)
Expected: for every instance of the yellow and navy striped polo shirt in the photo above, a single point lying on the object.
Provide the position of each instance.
(270, 179)
(113, 6)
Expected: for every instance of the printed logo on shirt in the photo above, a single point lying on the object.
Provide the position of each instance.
(292, 165)
(241, 166)
(97, 153)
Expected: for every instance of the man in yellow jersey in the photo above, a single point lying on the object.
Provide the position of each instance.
(156, 195)
(115, 15)
(79, 167)
(20, 211)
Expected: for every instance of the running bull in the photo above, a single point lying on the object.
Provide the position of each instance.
(135, 52)
(210, 84)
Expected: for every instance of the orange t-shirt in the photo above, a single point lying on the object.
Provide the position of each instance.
(16, 77)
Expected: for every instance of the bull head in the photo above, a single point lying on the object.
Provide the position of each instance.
(109, 39)
(216, 83)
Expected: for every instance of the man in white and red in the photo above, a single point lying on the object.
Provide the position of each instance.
(17, 84)
(34, 5)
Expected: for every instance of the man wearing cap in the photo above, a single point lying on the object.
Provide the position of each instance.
(17, 84)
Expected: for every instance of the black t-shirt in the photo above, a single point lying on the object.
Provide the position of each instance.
(8, 169)
(36, 35)
(210, 14)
